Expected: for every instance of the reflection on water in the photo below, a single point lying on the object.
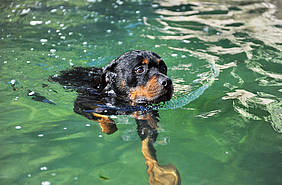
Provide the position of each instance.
(235, 29)
(223, 125)
(220, 20)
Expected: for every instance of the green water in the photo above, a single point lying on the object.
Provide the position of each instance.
(227, 55)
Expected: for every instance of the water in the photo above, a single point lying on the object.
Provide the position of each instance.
(223, 125)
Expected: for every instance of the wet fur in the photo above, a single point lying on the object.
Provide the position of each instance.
(119, 79)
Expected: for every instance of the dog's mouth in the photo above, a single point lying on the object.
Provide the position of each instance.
(152, 92)
(166, 96)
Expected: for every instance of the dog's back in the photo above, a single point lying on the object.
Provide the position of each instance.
(79, 78)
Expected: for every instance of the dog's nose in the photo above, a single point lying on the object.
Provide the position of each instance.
(164, 81)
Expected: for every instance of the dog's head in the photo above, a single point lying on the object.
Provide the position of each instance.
(139, 76)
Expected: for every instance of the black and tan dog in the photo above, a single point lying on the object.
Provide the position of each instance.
(124, 87)
(136, 76)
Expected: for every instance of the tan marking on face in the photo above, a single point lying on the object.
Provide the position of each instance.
(159, 60)
(151, 90)
(123, 84)
(145, 61)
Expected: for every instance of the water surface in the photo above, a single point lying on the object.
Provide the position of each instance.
(223, 125)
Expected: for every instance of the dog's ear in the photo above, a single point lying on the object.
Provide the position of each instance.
(109, 74)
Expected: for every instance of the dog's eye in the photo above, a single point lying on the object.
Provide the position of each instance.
(139, 70)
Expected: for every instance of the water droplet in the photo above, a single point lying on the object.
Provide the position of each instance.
(48, 22)
(18, 127)
(33, 23)
(43, 40)
(13, 82)
(119, 2)
(31, 93)
(45, 183)
(52, 50)
(155, 5)
(25, 11)
(53, 10)
(43, 168)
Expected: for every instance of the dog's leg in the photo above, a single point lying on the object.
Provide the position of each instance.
(107, 125)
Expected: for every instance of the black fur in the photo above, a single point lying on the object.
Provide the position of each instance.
(107, 91)
(118, 78)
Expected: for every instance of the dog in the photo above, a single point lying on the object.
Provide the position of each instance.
(126, 86)
(135, 78)
(138, 77)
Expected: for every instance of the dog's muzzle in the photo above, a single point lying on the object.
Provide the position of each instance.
(158, 89)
